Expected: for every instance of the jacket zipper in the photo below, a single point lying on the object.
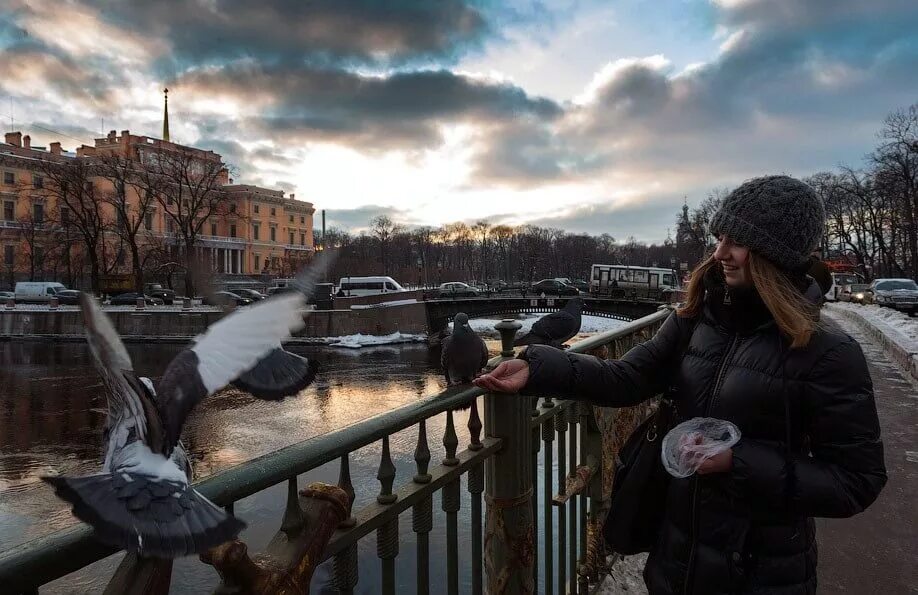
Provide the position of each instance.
(689, 575)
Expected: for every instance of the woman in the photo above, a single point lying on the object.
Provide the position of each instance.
(799, 392)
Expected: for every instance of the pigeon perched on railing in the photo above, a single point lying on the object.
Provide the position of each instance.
(141, 500)
(463, 352)
(556, 328)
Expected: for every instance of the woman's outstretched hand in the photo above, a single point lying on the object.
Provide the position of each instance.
(508, 377)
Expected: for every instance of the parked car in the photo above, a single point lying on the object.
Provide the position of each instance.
(554, 287)
(158, 291)
(855, 293)
(69, 297)
(901, 294)
(36, 291)
(225, 298)
(456, 289)
(252, 294)
(130, 298)
(6, 295)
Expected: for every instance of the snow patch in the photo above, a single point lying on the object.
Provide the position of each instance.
(898, 326)
(357, 341)
(383, 304)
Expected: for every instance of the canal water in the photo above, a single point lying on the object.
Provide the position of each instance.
(52, 411)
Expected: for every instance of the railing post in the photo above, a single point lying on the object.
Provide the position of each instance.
(509, 540)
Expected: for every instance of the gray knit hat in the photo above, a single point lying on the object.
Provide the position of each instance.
(776, 216)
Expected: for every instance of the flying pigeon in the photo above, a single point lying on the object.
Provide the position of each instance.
(463, 353)
(555, 328)
(141, 500)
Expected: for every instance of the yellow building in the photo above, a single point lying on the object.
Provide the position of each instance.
(261, 231)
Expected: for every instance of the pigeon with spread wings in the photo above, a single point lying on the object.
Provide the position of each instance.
(141, 500)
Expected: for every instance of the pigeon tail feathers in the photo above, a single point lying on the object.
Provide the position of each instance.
(153, 519)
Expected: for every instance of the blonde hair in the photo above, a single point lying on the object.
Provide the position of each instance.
(795, 316)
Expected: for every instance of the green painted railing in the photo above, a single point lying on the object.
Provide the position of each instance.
(501, 468)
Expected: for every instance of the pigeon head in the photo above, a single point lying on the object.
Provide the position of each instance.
(461, 324)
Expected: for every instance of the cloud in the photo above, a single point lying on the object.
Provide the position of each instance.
(358, 220)
(402, 110)
(293, 31)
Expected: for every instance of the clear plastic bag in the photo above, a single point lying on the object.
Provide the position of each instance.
(692, 442)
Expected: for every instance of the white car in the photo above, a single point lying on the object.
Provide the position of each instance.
(360, 286)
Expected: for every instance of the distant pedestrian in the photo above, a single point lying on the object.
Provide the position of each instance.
(819, 271)
(746, 347)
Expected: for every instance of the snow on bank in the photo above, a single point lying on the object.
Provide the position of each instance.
(590, 325)
(357, 341)
(899, 326)
(383, 304)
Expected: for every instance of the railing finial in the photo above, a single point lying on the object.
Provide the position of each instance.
(507, 329)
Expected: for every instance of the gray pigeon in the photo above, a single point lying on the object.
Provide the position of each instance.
(556, 328)
(463, 353)
(141, 499)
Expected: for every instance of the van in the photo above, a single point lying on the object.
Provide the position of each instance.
(36, 291)
(359, 286)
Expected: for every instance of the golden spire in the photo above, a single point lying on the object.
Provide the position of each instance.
(166, 115)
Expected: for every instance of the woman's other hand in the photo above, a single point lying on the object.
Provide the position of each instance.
(719, 463)
(508, 377)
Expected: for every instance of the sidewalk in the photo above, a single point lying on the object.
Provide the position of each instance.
(876, 551)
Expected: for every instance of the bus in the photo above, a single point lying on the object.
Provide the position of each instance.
(606, 278)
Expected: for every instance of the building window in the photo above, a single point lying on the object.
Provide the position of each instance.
(38, 213)
(8, 255)
(273, 211)
(302, 239)
(291, 238)
(255, 210)
(9, 210)
(9, 178)
(169, 225)
(232, 207)
(213, 228)
(256, 258)
(232, 230)
(65, 216)
(273, 234)
(148, 221)
(291, 218)
(38, 181)
(302, 220)
(255, 229)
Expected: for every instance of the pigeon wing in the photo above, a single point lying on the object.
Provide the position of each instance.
(234, 345)
(230, 347)
(277, 375)
(129, 403)
(445, 355)
(555, 325)
(485, 356)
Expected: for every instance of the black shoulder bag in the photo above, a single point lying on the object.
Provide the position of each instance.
(640, 484)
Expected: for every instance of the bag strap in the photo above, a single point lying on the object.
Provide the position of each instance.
(685, 337)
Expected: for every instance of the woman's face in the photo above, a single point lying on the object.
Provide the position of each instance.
(734, 258)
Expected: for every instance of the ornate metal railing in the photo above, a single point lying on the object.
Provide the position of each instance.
(501, 468)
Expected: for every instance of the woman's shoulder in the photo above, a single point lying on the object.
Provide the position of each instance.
(831, 347)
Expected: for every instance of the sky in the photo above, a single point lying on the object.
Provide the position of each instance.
(597, 116)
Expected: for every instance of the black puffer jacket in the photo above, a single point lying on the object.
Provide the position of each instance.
(749, 530)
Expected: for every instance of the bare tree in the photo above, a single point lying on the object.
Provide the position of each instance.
(384, 230)
(189, 190)
(69, 183)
